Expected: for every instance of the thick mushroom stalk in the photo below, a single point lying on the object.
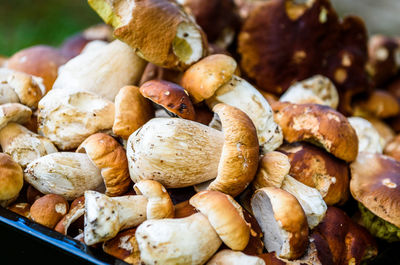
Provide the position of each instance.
(103, 71)
(369, 139)
(139, 23)
(106, 216)
(23, 145)
(212, 79)
(14, 112)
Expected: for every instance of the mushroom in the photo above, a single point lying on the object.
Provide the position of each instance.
(11, 180)
(139, 23)
(319, 125)
(194, 239)
(20, 87)
(229, 257)
(392, 149)
(106, 216)
(274, 170)
(23, 145)
(68, 117)
(124, 246)
(42, 61)
(386, 133)
(49, 209)
(278, 47)
(154, 72)
(282, 221)
(65, 174)
(110, 157)
(107, 70)
(318, 169)
(74, 218)
(14, 112)
(32, 194)
(369, 139)
(347, 242)
(383, 59)
(172, 97)
(21, 208)
(213, 79)
(317, 89)
(380, 104)
(132, 111)
(375, 184)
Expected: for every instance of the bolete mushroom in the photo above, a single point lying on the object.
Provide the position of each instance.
(14, 112)
(49, 209)
(369, 139)
(229, 257)
(11, 180)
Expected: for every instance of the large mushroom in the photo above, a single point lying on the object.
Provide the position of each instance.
(284, 41)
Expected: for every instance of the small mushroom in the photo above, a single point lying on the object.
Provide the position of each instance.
(170, 96)
(375, 184)
(273, 168)
(11, 180)
(132, 111)
(213, 79)
(106, 70)
(369, 139)
(124, 246)
(68, 117)
(106, 216)
(42, 61)
(110, 157)
(65, 174)
(49, 209)
(182, 43)
(21, 208)
(23, 145)
(14, 112)
(379, 103)
(317, 89)
(319, 125)
(282, 221)
(74, 218)
(32, 194)
(229, 257)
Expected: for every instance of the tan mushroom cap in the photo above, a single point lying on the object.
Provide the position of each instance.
(42, 61)
(318, 169)
(273, 168)
(319, 125)
(109, 156)
(49, 209)
(380, 104)
(203, 78)
(132, 110)
(375, 182)
(124, 246)
(21, 208)
(11, 178)
(14, 112)
(225, 216)
(159, 203)
(239, 158)
(170, 96)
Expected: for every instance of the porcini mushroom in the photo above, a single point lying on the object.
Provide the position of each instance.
(212, 79)
(106, 70)
(379, 103)
(49, 209)
(11, 179)
(139, 23)
(282, 221)
(375, 184)
(110, 157)
(229, 257)
(14, 112)
(23, 145)
(369, 139)
(106, 216)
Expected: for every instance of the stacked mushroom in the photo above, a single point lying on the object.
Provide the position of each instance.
(165, 154)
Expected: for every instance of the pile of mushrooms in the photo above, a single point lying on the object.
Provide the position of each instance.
(173, 152)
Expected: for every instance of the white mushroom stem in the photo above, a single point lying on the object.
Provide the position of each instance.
(175, 152)
(186, 241)
(242, 95)
(229, 257)
(369, 139)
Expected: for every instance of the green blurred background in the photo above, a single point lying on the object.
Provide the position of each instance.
(28, 22)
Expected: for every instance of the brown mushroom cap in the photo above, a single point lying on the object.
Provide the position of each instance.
(349, 243)
(284, 41)
(318, 169)
(273, 168)
(42, 61)
(132, 110)
(124, 246)
(203, 78)
(109, 156)
(170, 96)
(225, 216)
(392, 148)
(239, 158)
(319, 125)
(375, 182)
(380, 104)
(49, 209)
(11, 178)
(21, 208)
(32, 194)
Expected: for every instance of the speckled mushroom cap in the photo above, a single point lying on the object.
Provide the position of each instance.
(170, 96)
(375, 182)
(318, 169)
(225, 216)
(284, 41)
(319, 125)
